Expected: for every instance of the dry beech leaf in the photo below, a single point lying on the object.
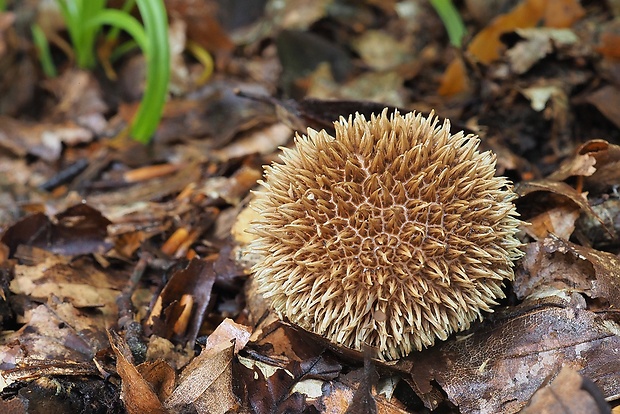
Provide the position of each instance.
(572, 267)
(454, 80)
(499, 367)
(559, 221)
(566, 193)
(597, 161)
(581, 164)
(206, 383)
(137, 394)
(568, 391)
(79, 282)
(78, 230)
(228, 330)
(537, 43)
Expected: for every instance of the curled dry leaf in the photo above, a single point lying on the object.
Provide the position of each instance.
(78, 230)
(597, 161)
(568, 389)
(206, 383)
(570, 267)
(136, 392)
(560, 202)
(535, 44)
(180, 307)
(499, 367)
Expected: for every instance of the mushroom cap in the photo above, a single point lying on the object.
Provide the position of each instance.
(391, 234)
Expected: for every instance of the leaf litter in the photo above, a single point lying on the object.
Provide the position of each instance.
(125, 272)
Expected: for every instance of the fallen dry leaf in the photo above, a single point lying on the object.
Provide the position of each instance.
(137, 394)
(206, 383)
(607, 100)
(568, 391)
(535, 44)
(79, 229)
(78, 282)
(499, 368)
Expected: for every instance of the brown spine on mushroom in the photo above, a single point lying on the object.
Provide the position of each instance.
(392, 233)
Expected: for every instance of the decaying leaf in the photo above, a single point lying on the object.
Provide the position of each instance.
(579, 267)
(137, 394)
(501, 366)
(560, 213)
(56, 339)
(77, 230)
(179, 310)
(206, 383)
(597, 161)
(80, 282)
(571, 391)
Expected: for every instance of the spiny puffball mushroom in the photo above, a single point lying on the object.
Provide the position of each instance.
(391, 234)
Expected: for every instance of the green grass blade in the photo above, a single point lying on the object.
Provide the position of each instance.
(124, 21)
(451, 19)
(127, 7)
(153, 14)
(43, 49)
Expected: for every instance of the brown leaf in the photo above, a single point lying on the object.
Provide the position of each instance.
(56, 339)
(80, 99)
(78, 230)
(597, 161)
(136, 392)
(548, 264)
(486, 45)
(226, 332)
(561, 198)
(43, 140)
(569, 267)
(563, 13)
(499, 368)
(601, 233)
(79, 282)
(571, 391)
(607, 101)
(535, 44)
(206, 383)
(187, 293)
(559, 221)
(160, 375)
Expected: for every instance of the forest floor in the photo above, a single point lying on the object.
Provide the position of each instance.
(124, 288)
